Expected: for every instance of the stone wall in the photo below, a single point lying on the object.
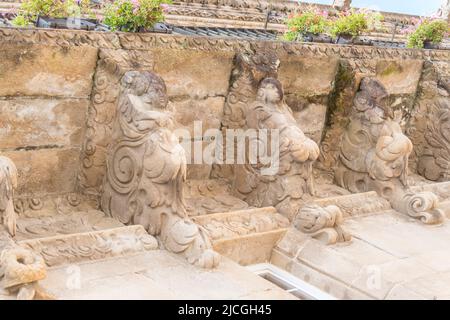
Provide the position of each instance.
(44, 98)
(59, 88)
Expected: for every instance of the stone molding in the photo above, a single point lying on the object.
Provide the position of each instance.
(148, 41)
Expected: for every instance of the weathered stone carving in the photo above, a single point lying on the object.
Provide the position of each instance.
(249, 71)
(256, 101)
(147, 41)
(204, 197)
(245, 236)
(420, 205)
(293, 179)
(8, 182)
(357, 204)
(374, 154)
(434, 162)
(94, 245)
(323, 223)
(146, 168)
(20, 271)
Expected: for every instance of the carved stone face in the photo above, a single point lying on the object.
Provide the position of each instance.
(270, 92)
(155, 98)
(149, 87)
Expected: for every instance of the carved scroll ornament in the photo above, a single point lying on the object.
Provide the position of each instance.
(322, 223)
(8, 182)
(146, 169)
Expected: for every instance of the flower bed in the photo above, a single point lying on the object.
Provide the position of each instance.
(122, 15)
(427, 33)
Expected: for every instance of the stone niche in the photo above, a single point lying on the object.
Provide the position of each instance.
(44, 99)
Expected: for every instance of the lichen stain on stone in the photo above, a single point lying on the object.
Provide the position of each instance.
(389, 68)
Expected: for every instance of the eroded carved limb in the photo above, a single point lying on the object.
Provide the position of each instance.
(8, 182)
(322, 223)
(146, 170)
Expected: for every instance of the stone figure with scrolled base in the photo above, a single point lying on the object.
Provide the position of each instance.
(146, 169)
(374, 155)
(291, 180)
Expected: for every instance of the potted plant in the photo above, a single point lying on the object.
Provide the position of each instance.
(135, 15)
(428, 34)
(55, 14)
(351, 24)
(307, 26)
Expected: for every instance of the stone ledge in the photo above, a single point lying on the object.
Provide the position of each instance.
(95, 245)
(119, 40)
(245, 236)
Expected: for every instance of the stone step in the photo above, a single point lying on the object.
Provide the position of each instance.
(245, 236)
(95, 245)
(157, 274)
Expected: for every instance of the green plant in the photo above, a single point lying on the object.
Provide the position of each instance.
(353, 23)
(31, 9)
(314, 22)
(21, 21)
(428, 30)
(132, 15)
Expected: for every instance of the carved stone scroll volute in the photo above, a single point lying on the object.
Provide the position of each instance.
(322, 223)
(8, 182)
(146, 169)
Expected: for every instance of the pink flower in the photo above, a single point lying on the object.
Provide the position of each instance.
(165, 7)
(324, 14)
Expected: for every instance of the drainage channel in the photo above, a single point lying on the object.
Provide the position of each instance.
(288, 282)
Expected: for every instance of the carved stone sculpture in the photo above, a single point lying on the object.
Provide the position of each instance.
(249, 71)
(8, 182)
(256, 102)
(146, 169)
(374, 155)
(434, 162)
(20, 270)
(323, 223)
(292, 180)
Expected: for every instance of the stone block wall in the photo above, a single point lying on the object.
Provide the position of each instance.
(59, 88)
(44, 98)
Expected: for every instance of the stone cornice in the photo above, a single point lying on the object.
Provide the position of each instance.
(147, 41)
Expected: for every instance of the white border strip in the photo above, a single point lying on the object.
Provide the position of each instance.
(302, 286)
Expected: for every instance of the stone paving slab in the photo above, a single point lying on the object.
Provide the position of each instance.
(158, 274)
(391, 256)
